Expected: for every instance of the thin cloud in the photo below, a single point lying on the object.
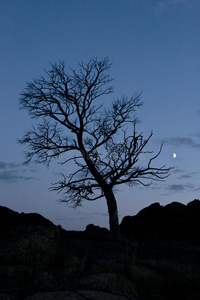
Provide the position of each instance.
(176, 187)
(177, 170)
(12, 176)
(195, 173)
(182, 141)
(100, 214)
(179, 187)
(4, 165)
(185, 176)
(11, 172)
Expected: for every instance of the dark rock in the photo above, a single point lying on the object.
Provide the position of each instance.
(158, 260)
(150, 211)
(96, 229)
(35, 218)
(28, 257)
(77, 295)
(175, 220)
(108, 282)
(9, 217)
(194, 206)
(147, 220)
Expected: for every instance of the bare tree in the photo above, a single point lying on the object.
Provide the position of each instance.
(74, 120)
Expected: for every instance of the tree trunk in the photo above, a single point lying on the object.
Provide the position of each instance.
(113, 212)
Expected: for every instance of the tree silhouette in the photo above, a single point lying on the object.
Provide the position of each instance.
(73, 119)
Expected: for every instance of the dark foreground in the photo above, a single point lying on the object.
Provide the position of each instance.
(158, 258)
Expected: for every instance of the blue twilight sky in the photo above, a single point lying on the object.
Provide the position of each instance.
(154, 46)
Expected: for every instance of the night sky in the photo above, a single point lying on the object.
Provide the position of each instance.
(154, 47)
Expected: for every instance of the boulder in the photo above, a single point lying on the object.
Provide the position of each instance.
(93, 230)
(147, 220)
(108, 282)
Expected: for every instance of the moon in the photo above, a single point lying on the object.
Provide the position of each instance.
(174, 155)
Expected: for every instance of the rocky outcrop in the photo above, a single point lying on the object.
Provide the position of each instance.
(39, 262)
(175, 220)
(9, 217)
(43, 261)
(91, 228)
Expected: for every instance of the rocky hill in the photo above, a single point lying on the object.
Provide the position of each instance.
(157, 257)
